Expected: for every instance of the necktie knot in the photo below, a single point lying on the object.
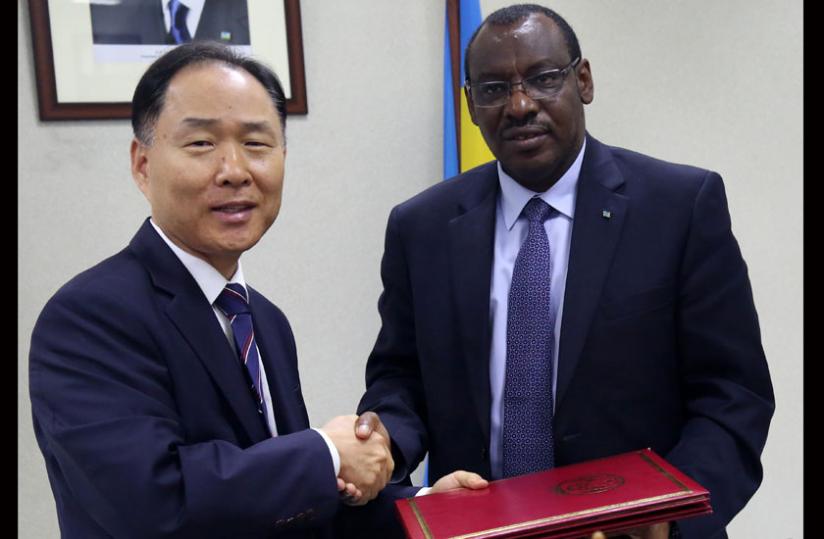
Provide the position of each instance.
(233, 300)
(537, 210)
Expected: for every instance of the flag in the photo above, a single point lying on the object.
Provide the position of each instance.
(464, 146)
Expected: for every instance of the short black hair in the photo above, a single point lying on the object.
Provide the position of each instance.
(511, 14)
(150, 93)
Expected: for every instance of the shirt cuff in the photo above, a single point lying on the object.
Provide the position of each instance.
(333, 451)
(423, 492)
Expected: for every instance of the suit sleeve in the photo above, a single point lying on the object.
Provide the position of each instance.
(378, 518)
(105, 416)
(725, 380)
(393, 378)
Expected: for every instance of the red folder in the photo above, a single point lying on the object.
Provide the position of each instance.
(610, 494)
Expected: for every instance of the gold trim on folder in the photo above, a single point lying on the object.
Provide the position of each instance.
(669, 476)
(421, 521)
(547, 520)
(428, 534)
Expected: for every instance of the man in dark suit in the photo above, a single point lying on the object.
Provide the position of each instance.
(569, 301)
(165, 391)
(156, 22)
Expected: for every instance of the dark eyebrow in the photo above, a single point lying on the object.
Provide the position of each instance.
(540, 66)
(247, 127)
(198, 122)
(262, 127)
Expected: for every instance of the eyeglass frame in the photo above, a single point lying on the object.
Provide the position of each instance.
(563, 71)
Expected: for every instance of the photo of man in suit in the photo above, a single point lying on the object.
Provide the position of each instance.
(169, 22)
(165, 392)
(570, 300)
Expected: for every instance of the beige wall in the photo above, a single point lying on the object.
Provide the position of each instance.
(714, 84)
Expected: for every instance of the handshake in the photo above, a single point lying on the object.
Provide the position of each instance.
(366, 466)
(366, 462)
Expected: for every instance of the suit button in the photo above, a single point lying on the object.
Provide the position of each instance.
(483, 453)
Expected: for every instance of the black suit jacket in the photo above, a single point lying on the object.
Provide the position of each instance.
(146, 422)
(660, 345)
(140, 22)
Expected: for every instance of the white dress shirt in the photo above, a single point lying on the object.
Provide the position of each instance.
(212, 283)
(510, 232)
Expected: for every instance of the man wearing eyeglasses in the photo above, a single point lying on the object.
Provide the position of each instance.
(570, 300)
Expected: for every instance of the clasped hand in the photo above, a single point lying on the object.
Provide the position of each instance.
(365, 456)
(366, 460)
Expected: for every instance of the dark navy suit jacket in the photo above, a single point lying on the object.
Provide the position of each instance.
(146, 422)
(141, 22)
(660, 344)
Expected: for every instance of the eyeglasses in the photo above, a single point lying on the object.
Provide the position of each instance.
(544, 85)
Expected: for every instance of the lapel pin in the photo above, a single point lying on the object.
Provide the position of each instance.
(606, 214)
(226, 36)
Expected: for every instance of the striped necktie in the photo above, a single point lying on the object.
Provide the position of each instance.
(233, 302)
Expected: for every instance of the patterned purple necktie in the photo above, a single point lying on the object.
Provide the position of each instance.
(527, 423)
(177, 15)
(233, 302)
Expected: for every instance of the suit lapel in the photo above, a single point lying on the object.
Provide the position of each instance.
(152, 25)
(471, 240)
(290, 413)
(191, 313)
(600, 212)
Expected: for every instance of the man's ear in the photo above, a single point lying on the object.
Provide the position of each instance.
(583, 79)
(140, 165)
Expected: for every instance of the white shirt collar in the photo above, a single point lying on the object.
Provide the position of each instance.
(560, 196)
(210, 281)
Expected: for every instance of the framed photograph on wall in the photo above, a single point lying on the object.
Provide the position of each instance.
(89, 54)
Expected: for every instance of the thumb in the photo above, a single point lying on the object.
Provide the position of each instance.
(366, 423)
(470, 480)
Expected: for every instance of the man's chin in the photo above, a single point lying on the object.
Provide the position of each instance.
(535, 177)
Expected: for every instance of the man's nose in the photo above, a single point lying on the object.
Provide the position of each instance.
(233, 168)
(519, 104)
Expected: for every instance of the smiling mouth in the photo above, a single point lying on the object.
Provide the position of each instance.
(527, 142)
(525, 133)
(234, 214)
(233, 208)
(527, 136)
